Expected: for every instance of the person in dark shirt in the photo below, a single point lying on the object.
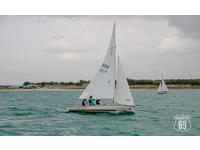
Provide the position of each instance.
(98, 102)
(84, 102)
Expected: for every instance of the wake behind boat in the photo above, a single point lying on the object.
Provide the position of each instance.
(109, 83)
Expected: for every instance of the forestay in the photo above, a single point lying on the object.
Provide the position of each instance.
(102, 85)
(123, 94)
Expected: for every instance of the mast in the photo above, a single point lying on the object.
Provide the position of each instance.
(162, 83)
(114, 46)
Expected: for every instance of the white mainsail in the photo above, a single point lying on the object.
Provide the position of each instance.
(102, 85)
(123, 94)
(162, 86)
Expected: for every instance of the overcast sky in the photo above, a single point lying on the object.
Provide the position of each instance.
(70, 48)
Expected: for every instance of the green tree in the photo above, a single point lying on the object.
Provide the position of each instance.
(26, 83)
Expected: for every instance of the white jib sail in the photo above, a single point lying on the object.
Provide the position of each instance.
(102, 85)
(123, 94)
(164, 86)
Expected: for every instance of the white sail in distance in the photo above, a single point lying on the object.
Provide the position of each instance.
(123, 94)
(102, 86)
(162, 86)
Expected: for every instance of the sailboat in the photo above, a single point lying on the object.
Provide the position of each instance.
(162, 89)
(109, 83)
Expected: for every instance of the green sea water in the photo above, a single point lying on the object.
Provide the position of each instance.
(43, 113)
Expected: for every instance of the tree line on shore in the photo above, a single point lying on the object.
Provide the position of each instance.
(167, 81)
(130, 82)
(52, 83)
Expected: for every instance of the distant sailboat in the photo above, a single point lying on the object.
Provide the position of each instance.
(162, 89)
(109, 83)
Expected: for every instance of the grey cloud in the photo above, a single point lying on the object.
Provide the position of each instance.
(64, 48)
(58, 37)
(189, 25)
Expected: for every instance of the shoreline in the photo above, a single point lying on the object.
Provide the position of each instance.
(9, 90)
(80, 88)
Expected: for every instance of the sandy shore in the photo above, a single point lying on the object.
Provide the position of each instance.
(80, 88)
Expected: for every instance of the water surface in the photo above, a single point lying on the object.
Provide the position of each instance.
(43, 113)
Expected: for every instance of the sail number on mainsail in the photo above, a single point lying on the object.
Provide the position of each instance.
(104, 68)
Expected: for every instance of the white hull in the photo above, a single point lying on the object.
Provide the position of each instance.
(162, 92)
(102, 108)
